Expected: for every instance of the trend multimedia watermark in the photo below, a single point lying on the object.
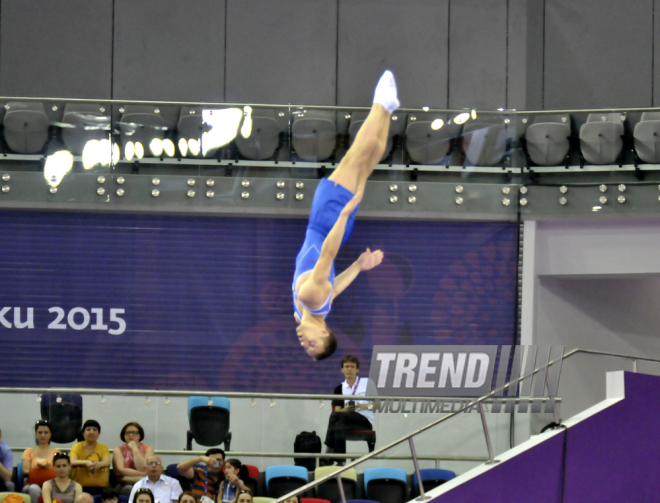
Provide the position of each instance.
(454, 374)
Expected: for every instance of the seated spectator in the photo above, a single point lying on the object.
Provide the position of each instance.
(109, 496)
(91, 460)
(292, 499)
(235, 474)
(187, 497)
(243, 496)
(142, 496)
(61, 487)
(206, 480)
(128, 460)
(38, 461)
(165, 489)
(6, 467)
(348, 414)
(84, 498)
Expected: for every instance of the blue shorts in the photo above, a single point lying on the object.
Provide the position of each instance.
(329, 200)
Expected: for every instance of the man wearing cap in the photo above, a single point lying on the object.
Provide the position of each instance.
(165, 489)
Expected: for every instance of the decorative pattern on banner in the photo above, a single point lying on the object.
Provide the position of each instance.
(204, 303)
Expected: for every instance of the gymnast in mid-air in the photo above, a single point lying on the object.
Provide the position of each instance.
(330, 224)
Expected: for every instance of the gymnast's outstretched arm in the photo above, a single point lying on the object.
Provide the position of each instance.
(311, 292)
(368, 260)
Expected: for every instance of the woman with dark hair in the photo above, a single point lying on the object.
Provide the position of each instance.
(38, 460)
(128, 460)
(61, 487)
(243, 496)
(91, 460)
(109, 496)
(187, 497)
(143, 496)
(235, 474)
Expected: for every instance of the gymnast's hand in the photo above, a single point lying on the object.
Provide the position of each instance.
(370, 259)
(352, 204)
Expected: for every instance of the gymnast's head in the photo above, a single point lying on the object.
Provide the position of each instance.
(318, 340)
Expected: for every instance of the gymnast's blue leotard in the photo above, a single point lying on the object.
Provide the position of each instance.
(329, 200)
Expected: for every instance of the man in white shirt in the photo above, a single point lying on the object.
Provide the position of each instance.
(349, 414)
(165, 489)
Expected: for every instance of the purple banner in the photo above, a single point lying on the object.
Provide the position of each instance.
(204, 303)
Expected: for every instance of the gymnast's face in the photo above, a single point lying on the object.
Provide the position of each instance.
(312, 338)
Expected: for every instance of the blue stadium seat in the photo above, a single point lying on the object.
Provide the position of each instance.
(20, 478)
(209, 424)
(431, 478)
(171, 471)
(282, 479)
(386, 485)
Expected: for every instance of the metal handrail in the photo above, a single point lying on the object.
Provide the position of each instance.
(506, 112)
(170, 452)
(227, 394)
(337, 474)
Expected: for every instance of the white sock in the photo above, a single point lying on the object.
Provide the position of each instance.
(386, 92)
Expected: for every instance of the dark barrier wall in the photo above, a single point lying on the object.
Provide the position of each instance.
(206, 302)
(523, 54)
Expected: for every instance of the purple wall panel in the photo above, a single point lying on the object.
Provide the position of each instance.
(615, 455)
(535, 475)
(208, 300)
(610, 457)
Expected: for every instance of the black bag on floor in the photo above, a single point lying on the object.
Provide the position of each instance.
(307, 442)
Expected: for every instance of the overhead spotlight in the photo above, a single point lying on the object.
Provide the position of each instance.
(168, 147)
(246, 128)
(139, 150)
(156, 147)
(473, 114)
(116, 154)
(437, 124)
(461, 118)
(129, 151)
(90, 155)
(183, 147)
(57, 165)
(194, 146)
(104, 152)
